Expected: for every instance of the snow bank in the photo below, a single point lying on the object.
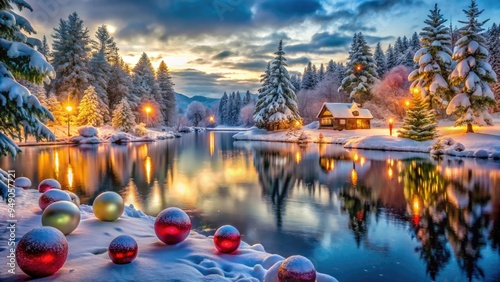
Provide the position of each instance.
(194, 259)
(87, 131)
(389, 143)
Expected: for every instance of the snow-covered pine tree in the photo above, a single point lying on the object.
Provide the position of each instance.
(295, 79)
(361, 70)
(472, 74)
(101, 73)
(247, 99)
(414, 47)
(35, 89)
(399, 50)
(277, 105)
(21, 111)
(70, 58)
(321, 73)
(330, 68)
(308, 80)
(379, 58)
(420, 122)
(119, 83)
(434, 59)
(494, 58)
(54, 106)
(123, 117)
(237, 108)
(105, 44)
(143, 79)
(168, 105)
(223, 105)
(89, 112)
(315, 76)
(45, 49)
(340, 71)
(391, 58)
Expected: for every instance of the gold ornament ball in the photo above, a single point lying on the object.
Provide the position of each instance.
(62, 215)
(108, 206)
(74, 198)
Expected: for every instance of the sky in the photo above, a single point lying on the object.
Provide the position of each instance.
(212, 46)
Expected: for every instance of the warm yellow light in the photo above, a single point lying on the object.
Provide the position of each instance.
(148, 109)
(415, 90)
(358, 67)
(391, 121)
(356, 157)
(362, 161)
(297, 123)
(70, 176)
(69, 108)
(390, 172)
(354, 177)
(211, 119)
(416, 206)
(298, 157)
(148, 165)
(212, 143)
(407, 103)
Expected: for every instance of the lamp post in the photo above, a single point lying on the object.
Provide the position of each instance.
(391, 123)
(68, 110)
(211, 119)
(148, 110)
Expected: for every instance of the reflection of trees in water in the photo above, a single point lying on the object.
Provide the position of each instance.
(445, 211)
(277, 175)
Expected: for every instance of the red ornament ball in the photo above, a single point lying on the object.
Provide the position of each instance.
(297, 269)
(227, 239)
(42, 251)
(123, 249)
(52, 196)
(172, 226)
(48, 184)
(22, 182)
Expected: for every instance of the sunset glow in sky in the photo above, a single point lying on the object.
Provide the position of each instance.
(212, 46)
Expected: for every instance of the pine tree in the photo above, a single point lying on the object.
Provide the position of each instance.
(120, 83)
(414, 47)
(70, 58)
(308, 80)
(420, 122)
(379, 58)
(89, 112)
(494, 58)
(20, 111)
(101, 73)
(247, 99)
(361, 70)
(123, 117)
(330, 69)
(315, 76)
(434, 59)
(45, 49)
(295, 79)
(55, 107)
(168, 105)
(391, 58)
(321, 73)
(105, 44)
(474, 98)
(277, 105)
(144, 86)
(37, 90)
(223, 104)
(399, 51)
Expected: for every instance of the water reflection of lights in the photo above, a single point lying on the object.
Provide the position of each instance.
(70, 176)
(298, 157)
(147, 165)
(56, 163)
(212, 143)
(390, 172)
(362, 161)
(354, 177)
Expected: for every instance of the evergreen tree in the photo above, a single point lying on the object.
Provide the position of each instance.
(431, 81)
(277, 105)
(89, 112)
(119, 84)
(37, 90)
(45, 49)
(237, 108)
(420, 122)
(399, 51)
(414, 47)
(361, 70)
(101, 73)
(70, 58)
(474, 96)
(144, 86)
(379, 58)
(308, 80)
(123, 117)
(247, 99)
(321, 73)
(223, 104)
(167, 102)
(54, 106)
(494, 58)
(295, 78)
(391, 58)
(315, 76)
(20, 111)
(330, 68)
(105, 44)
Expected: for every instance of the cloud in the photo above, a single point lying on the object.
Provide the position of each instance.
(223, 55)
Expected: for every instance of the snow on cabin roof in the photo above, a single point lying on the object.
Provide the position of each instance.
(345, 110)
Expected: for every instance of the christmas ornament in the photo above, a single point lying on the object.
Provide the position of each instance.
(227, 239)
(22, 182)
(108, 206)
(41, 252)
(63, 215)
(297, 269)
(51, 196)
(74, 198)
(172, 226)
(123, 249)
(48, 184)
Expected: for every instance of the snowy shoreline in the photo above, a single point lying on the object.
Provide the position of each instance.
(194, 259)
(483, 144)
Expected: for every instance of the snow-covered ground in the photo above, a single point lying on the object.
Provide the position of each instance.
(485, 142)
(194, 259)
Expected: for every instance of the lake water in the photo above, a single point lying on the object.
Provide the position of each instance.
(358, 215)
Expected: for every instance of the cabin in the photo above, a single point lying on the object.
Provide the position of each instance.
(340, 116)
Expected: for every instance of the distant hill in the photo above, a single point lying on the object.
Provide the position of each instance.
(183, 101)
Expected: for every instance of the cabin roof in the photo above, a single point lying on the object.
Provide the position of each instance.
(345, 110)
